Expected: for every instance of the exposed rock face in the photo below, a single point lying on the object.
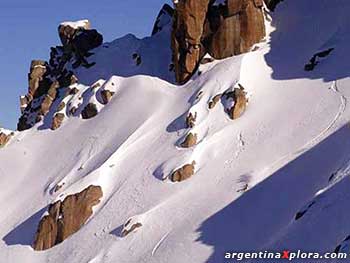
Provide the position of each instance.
(201, 26)
(188, 28)
(89, 111)
(164, 17)
(67, 217)
(106, 96)
(240, 105)
(191, 140)
(45, 79)
(183, 173)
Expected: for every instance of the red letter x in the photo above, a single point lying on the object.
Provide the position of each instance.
(286, 254)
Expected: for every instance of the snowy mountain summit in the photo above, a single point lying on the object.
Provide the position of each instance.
(225, 131)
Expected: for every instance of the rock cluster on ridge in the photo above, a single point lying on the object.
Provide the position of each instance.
(46, 79)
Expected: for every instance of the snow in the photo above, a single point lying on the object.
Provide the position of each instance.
(77, 24)
(289, 152)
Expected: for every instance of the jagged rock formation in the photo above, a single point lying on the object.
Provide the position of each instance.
(45, 79)
(222, 30)
(66, 217)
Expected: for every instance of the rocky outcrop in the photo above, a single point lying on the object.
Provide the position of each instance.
(188, 29)
(46, 79)
(89, 111)
(66, 217)
(183, 173)
(222, 30)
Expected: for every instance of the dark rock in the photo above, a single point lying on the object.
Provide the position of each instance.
(89, 111)
(164, 18)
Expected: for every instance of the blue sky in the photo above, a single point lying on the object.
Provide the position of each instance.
(29, 28)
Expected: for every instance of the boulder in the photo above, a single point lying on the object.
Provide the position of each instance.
(183, 173)
(66, 217)
(240, 104)
(89, 111)
(190, 140)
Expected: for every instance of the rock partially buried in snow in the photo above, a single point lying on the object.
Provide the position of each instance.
(66, 217)
(57, 121)
(240, 105)
(131, 225)
(106, 96)
(183, 173)
(4, 138)
(190, 140)
(214, 101)
(191, 119)
(89, 111)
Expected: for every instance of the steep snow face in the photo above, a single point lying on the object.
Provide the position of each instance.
(275, 178)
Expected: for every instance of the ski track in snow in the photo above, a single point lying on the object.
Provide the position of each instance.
(159, 243)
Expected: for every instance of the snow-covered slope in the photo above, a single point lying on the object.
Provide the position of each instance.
(288, 154)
